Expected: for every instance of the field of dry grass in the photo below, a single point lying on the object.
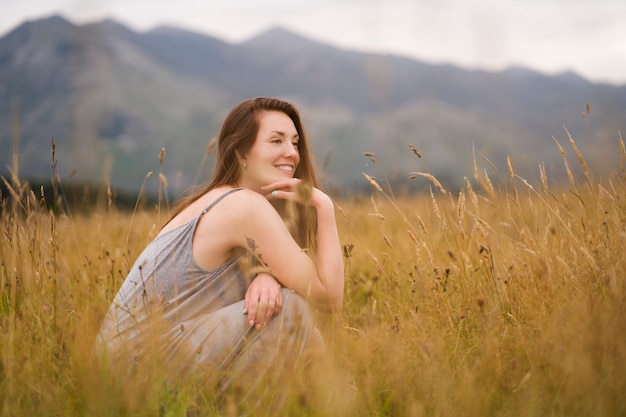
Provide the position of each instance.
(498, 300)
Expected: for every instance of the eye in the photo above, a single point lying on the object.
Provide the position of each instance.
(276, 140)
(295, 144)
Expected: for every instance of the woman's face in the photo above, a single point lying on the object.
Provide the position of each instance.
(274, 155)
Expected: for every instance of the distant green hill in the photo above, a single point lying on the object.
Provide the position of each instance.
(113, 98)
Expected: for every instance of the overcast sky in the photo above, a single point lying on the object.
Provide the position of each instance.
(551, 36)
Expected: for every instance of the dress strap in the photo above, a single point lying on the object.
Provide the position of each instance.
(218, 199)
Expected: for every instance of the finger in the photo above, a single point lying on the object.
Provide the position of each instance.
(252, 311)
(250, 301)
(274, 195)
(261, 318)
(281, 184)
(246, 301)
(279, 302)
(285, 185)
(269, 312)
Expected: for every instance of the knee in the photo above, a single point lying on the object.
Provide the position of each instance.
(296, 310)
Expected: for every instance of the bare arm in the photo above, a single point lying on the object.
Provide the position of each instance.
(329, 261)
(261, 230)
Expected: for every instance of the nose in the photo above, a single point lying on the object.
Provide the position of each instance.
(291, 151)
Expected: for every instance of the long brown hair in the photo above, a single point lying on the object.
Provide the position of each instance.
(236, 138)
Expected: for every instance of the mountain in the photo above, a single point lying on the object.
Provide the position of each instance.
(112, 98)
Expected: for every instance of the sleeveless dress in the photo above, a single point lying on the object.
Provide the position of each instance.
(192, 319)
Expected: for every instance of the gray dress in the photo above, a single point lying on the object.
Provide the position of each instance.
(192, 318)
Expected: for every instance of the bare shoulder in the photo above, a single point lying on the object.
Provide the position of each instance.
(241, 215)
(245, 194)
(227, 198)
(247, 203)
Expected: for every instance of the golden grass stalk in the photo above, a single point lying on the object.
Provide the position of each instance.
(510, 166)
(491, 164)
(622, 150)
(431, 178)
(373, 182)
(543, 176)
(581, 159)
(460, 210)
(470, 192)
(376, 212)
(570, 176)
(436, 210)
(475, 164)
(420, 222)
(487, 185)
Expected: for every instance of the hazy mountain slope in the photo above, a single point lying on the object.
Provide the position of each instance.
(35, 84)
(109, 106)
(112, 98)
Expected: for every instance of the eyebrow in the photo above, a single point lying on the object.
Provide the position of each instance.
(283, 134)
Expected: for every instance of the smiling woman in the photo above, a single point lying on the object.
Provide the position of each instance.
(226, 289)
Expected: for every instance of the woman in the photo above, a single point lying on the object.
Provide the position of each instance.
(226, 286)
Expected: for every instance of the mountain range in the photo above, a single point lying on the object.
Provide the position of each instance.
(111, 98)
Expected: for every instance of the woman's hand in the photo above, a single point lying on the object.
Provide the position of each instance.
(297, 191)
(263, 299)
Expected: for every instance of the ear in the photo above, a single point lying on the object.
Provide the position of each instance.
(242, 160)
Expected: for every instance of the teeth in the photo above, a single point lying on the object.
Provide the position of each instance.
(285, 168)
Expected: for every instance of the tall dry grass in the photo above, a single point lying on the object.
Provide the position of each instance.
(502, 299)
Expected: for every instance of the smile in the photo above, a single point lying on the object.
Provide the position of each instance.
(285, 168)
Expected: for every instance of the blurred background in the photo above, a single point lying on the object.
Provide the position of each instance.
(114, 82)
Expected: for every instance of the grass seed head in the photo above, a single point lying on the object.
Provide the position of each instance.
(570, 176)
(581, 159)
(543, 176)
(511, 167)
(414, 149)
(373, 182)
(347, 250)
(431, 178)
(163, 179)
(371, 156)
